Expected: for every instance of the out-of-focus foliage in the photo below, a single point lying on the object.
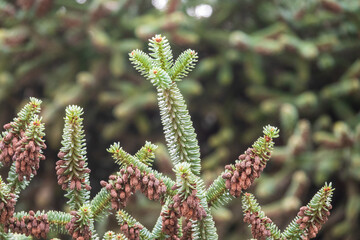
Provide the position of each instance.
(293, 63)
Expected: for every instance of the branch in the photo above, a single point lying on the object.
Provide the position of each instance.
(261, 225)
(178, 128)
(241, 175)
(131, 228)
(310, 218)
(125, 159)
(72, 171)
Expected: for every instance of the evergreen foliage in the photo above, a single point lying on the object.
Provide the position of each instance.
(252, 208)
(314, 214)
(289, 63)
(146, 153)
(72, 170)
(186, 211)
(186, 201)
(179, 132)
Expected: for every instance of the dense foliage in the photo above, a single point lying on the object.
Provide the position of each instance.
(186, 202)
(292, 64)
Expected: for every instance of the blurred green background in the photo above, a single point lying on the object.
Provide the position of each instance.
(294, 64)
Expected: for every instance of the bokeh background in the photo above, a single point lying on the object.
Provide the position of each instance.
(293, 64)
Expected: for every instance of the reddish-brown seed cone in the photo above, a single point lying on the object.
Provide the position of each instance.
(152, 187)
(36, 226)
(7, 145)
(122, 186)
(170, 223)
(65, 180)
(27, 157)
(190, 208)
(187, 230)
(311, 228)
(75, 231)
(7, 208)
(241, 176)
(258, 225)
(133, 232)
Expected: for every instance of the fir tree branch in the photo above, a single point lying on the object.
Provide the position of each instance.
(178, 128)
(110, 235)
(25, 115)
(27, 155)
(14, 183)
(146, 153)
(28, 151)
(157, 231)
(310, 218)
(159, 78)
(82, 223)
(58, 221)
(261, 225)
(217, 194)
(240, 176)
(7, 204)
(208, 229)
(72, 171)
(131, 228)
(125, 159)
(142, 62)
(161, 52)
(100, 204)
(51, 221)
(169, 221)
(163, 229)
(183, 65)
(265, 145)
(129, 179)
(185, 203)
(15, 130)
(191, 203)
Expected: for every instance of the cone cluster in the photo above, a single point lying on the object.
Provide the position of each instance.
(242, 175)
(170, 224)
(7, 208)
(7, 145)
(152, 187)
(131, 232)
(312, 227)
(66, 178)
(27, 157)
(122, 186)
(187, 230)
(36, 226)
(78, 232)
(190, 208)
(258, 225)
